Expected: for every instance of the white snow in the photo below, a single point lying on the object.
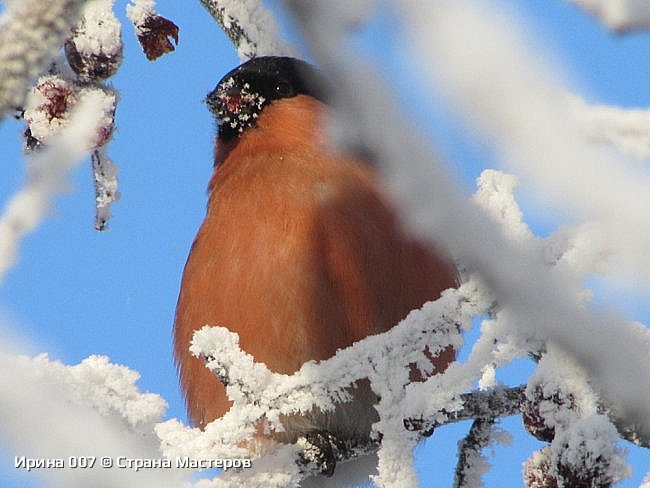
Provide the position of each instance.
(258, 23)
(100, 31)
(626, 129)
(52, 411)
(31, 33)
(589, 445)
(138, 11)
(495, 195)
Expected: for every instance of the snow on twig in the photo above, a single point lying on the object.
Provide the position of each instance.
(258, 391)
(52, 411)
(626, 129)
(250, 27)
(31, 33)
(471, 462)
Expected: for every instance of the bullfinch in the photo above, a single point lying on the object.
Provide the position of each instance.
(301, 252)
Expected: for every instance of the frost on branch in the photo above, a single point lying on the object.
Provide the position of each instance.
(562, 409)
(48, 110)
(495, 195)
(94, 51)
(258, 393)
(471, 462)
(50, 104)
(628, 130)
(108, 388)
(152, 29)
(31, 33)
(50, 410)
(249, 26)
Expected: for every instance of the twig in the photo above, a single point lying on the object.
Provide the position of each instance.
(105, 182)
(480, 404)
(230, 26)
(31, 33)
(471, 463)
(249, 26)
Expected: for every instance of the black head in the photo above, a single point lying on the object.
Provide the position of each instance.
(242, 94)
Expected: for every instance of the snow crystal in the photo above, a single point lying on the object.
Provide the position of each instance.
(100, 31)
(488, 377)
(495, 195)
(97, 383)
(138, 11)
(588, 449)
(31, 33)
(565, 391)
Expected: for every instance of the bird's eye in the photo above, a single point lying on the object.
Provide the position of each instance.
(283, 89)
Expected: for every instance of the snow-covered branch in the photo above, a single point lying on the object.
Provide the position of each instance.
(258, 392)
(31, 33)
(541, 308)
(250, 27)
(619, 15)
(480, 404)
(471, 463)
(52, 411)
(628, 130)
(529, 287)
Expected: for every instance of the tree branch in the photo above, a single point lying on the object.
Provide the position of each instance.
(499, 402)
(471, 463)
(31, 33)
(230, 26)
(249, 26)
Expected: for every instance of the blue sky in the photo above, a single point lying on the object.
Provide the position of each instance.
(77, 292)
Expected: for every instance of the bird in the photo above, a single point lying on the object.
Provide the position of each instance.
(301, 252)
